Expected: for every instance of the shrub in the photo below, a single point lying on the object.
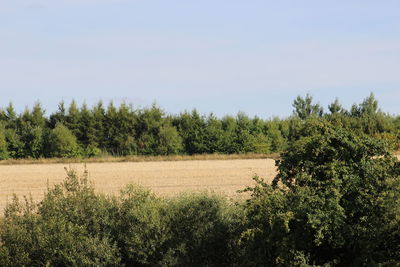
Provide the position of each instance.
(189, 230)
(70, 227)
(62, 143)
(74, 226)
(4, 256)
(92, 151)
(141, 230)
(203, 231)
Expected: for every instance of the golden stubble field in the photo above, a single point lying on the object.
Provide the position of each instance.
(165, 178)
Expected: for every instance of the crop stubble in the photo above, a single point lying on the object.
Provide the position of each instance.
(165, 178)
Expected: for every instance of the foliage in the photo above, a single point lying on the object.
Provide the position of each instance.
(118, 126)
(155, 134)
(169, 141)
(4, 154)
(278, 141)
(74, 226)
(123, 131)
(70, 227)
(191, 127)
(15, 146)
(5, 259)
(304, 108)
(203, 230)
(62, 143)
(141, 231)
(335, 107)
(335, 200)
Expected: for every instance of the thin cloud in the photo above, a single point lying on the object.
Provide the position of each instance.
(36, 6)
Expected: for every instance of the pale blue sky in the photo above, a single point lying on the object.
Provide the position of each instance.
(216, 56)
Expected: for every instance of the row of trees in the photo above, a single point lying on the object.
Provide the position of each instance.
(85, 132)
(334, 202)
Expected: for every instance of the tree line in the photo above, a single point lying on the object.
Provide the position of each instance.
(80, 131)
(334, 202)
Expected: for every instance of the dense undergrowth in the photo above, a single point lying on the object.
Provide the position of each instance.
(334, 202)
(82, 132)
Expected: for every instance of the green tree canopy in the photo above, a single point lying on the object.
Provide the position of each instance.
(3, 143)
(335, 107)
(304, 107)
(329, 203)
(62, 143)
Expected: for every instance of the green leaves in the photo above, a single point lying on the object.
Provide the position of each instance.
(74, 226)
(328, 201)
(304, 108)
(62, 143)
(4, 154)
(70, 227)
(122, 130)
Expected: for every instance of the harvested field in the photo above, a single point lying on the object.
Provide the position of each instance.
(165, 178)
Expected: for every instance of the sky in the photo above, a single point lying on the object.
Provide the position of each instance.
(220, 56)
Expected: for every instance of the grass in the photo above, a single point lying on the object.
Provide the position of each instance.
(104, 159)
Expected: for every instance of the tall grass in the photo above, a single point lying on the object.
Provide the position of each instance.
(139, 158)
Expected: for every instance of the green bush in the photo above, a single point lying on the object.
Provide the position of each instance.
(35, 241)
(70, 227)
(4, 256)
(74, 226)
(92, 151)
(203, 229)
(62, 143)
(76, 201)
(141, 230)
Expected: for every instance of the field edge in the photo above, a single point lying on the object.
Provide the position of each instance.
(105, 159)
